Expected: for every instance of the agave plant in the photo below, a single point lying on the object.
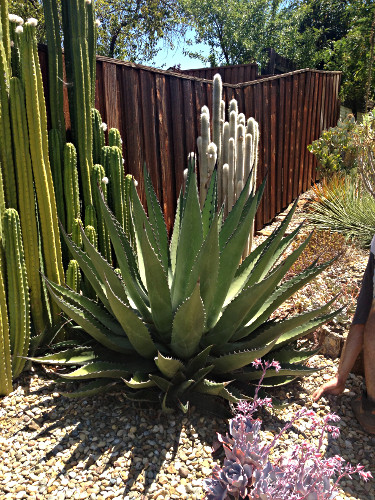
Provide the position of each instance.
(184, 319)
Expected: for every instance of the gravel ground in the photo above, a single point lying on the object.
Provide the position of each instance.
(52, 447)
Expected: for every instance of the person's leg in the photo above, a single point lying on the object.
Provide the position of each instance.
(369, 353)
(364, 406)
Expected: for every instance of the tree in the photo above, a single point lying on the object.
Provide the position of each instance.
(237, 31)
(129, 30)
(331, 35)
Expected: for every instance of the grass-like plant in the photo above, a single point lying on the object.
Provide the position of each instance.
(342, 204)
(184, 319)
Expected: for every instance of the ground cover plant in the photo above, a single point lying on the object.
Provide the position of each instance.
(303, 472)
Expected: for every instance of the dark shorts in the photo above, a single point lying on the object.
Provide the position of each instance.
(366, 294)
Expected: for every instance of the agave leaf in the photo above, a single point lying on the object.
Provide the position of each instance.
(201, 374)
(135, 329)
(143, 395)
(168, 366)
(209, 387)
(305, 329)
(161, 382)
(210, 204)
(87, 267)
(189, 244)
(156, 219)
(291, 356)
(236, 360)
(270, 254)
(280, 295)
(249, 374)
(104, 270)
(93, 308)
(188, 326)
(232, 394)
(182, 388)
(158, 289)
(273, 329)
(276, 381)
(126, 260)
(98, 369)
(175, 234)
(183, 407)
(97, 331)
(167, 405)
(75, 356)
(140, 381)
(91, 388)
(197, 362)
(229, 260)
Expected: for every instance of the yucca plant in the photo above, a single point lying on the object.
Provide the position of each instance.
(184, 319)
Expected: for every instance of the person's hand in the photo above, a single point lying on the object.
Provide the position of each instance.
(333, 386)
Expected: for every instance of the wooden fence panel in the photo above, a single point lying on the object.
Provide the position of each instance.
(158, 115)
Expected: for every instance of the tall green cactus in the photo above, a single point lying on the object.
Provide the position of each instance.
(6, 151)
(73, 276)
(77, 60)
(98, 178)
(5, 354)
(98, 139)
(38, 139)
(56, 162)
(26, 199)
(112, 163)
(71, 189)
(17, 290)
(55, 67)
(114, 138)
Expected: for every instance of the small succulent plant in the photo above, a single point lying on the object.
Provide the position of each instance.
(302, 473)
(184, 319)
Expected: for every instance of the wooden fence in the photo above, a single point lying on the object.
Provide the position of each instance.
(239, 73)
(157, 114)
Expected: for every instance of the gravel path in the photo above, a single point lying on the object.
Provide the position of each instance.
(52, 447)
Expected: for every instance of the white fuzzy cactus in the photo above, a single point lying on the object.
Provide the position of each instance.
(234, 147)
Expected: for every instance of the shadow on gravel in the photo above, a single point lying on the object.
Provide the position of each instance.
(109, 431)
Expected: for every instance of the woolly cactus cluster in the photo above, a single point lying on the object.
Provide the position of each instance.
(234, 147)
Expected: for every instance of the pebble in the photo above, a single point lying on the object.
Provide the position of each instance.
(106, 447)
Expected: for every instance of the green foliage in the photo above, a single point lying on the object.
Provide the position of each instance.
(191, 317)
(335, 149)
(236, 31)
(342, 204)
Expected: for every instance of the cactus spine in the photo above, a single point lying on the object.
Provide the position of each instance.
(17, 290)
(236, 149)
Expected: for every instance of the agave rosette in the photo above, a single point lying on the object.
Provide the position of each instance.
(186, 318)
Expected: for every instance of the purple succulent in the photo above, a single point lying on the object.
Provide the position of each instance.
(302, 474)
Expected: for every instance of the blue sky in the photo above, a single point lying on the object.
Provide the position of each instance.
(168, 57)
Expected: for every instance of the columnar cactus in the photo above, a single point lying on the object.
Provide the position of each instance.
(112, 163)
(26, 201)
(98, 139)
(71, 189)
(6, 153)
(5, 354)
(98, 178)
(17, 290)
(234, 147)
(38, 139)
(114, 138)
(75, 25)
(56, 161)
(73, 276)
